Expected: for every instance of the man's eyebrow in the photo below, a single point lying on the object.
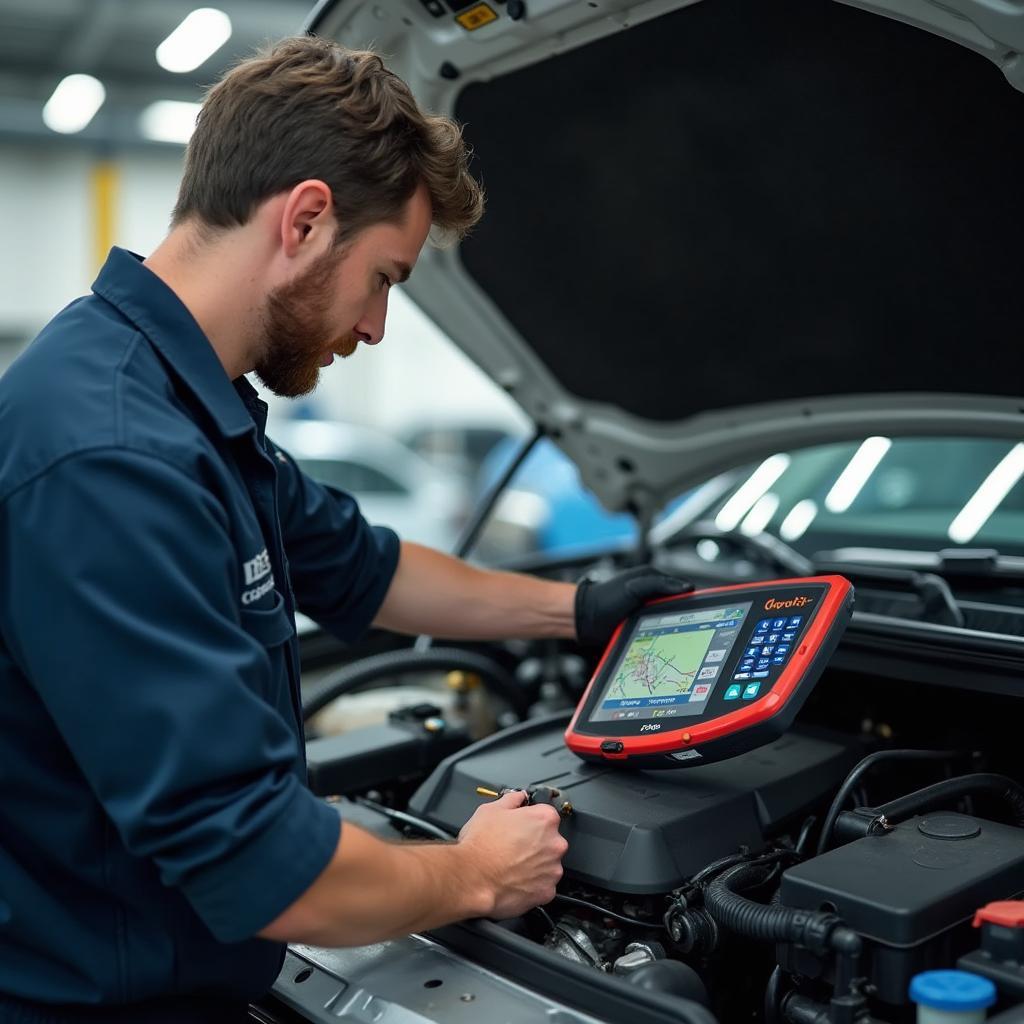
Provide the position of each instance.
(404, 270)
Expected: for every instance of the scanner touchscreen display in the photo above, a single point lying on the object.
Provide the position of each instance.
(670, 664)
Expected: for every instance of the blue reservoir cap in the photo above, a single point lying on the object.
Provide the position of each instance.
(952, 990)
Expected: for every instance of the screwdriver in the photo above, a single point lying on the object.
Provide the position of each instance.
(537, 795)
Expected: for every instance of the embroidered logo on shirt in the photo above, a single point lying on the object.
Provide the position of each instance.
(254, 570)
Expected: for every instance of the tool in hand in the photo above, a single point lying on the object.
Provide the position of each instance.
(536, 795)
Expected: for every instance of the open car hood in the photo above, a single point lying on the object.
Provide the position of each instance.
(722, 228)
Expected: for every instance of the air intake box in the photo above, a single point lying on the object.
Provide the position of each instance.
(911, 893)
(641, 831)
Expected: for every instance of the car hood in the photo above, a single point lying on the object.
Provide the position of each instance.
(719, 229)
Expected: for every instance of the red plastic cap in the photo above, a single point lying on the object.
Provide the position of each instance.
(1008, 913)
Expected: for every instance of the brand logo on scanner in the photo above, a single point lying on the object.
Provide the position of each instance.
(253, 570)
(771, 605)
(650, 727)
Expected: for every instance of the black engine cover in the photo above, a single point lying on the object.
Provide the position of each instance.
(643, 832)
(911, 892)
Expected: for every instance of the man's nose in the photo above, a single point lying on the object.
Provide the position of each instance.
(370, 329)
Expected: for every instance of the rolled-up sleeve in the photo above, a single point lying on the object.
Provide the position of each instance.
(120, 584)
(340, 566)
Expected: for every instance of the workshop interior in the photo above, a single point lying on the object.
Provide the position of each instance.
(745, 304)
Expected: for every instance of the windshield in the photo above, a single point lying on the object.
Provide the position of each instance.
(920, 494)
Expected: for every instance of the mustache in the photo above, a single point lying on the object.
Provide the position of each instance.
(346, 344)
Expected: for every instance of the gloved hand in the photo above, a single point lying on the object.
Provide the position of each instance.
(600, 607)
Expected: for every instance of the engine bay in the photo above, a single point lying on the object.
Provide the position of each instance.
(811, 879)
(671, 876)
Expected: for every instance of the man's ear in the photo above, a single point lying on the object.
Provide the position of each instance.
(307, 218)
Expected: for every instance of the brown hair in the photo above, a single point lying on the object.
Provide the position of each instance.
(309, 108)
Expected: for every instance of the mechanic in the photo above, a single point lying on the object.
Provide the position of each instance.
(157, 842)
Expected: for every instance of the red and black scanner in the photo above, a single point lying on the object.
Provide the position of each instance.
(704, 676)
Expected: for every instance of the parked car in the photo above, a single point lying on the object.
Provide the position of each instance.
(761, 261)
(456, 447)
(546, 509)
(393, 485)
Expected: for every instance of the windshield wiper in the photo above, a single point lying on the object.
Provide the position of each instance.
(985, 567)
(762, 548)
(937, 603)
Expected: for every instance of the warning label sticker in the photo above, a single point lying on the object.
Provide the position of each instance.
(476, 17)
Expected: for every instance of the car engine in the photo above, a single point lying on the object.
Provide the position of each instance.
(810, 879)
(672, 875)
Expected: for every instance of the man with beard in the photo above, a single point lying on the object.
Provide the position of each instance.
(157, 843)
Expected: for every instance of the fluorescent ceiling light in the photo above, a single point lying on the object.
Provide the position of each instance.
(988, 497)
(195, 40)
(74, 103)
(169, 121)
(858, 470)
(756, 485)
(760, 515)
(800, 517)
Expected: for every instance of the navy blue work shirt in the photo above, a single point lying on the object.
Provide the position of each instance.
(153, 549)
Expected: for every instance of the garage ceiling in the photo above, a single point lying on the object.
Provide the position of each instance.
(42, 41)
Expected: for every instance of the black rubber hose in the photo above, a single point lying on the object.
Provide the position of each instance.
(858, 772)
(740, 857)
(805, 835)
(865, 820)
(772, 997)
(798, 1009)
(402, 818)
(813, 930)
(497, 679)
(673, 978)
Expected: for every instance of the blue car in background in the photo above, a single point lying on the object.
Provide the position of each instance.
(547, 509)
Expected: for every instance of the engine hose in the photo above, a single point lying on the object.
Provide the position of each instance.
(403, 818)
(798, 1009)
(772, 997)
(495, 677)
(741, 857)
(868, 820)
(859, 770)
(814, 930)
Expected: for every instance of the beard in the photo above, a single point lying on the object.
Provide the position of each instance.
(297, 332)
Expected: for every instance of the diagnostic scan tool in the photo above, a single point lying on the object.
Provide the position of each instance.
(711, 674)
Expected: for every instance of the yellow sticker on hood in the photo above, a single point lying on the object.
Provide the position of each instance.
(476, 17)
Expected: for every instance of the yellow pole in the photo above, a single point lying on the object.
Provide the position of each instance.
(104, 199)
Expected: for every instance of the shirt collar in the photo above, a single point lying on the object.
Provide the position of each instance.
(125, 282)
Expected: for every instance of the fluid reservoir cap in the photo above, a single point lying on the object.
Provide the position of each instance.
(949, 826)
(1008, 913)
(952, 990)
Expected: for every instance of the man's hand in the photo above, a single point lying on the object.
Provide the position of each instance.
(600, 607)
(516, 854)
(507, 860)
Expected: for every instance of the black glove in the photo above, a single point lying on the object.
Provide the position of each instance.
(600, 607)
